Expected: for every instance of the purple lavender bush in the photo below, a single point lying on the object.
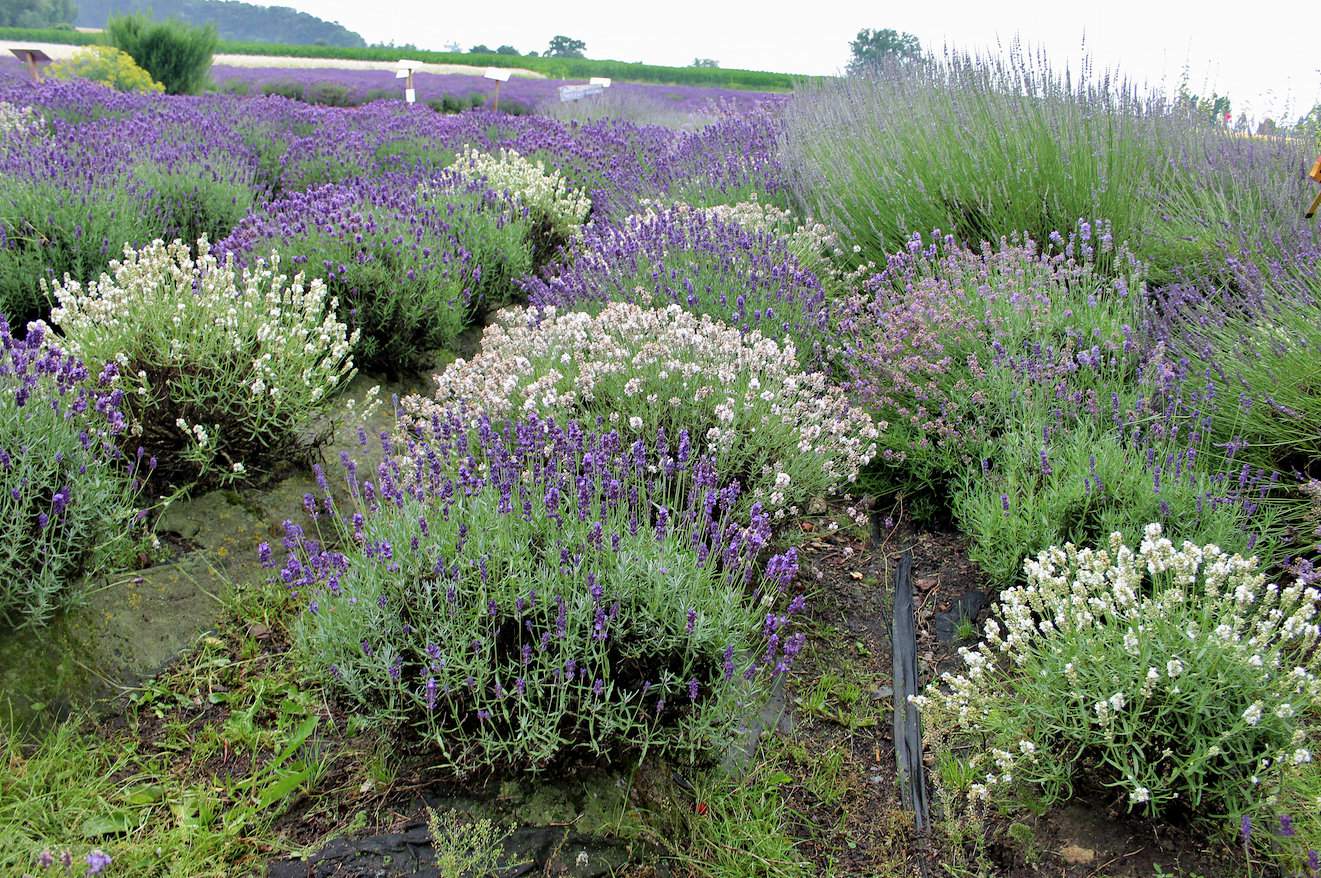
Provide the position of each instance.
(409, 265)
(1022, 401)
(520, 594)
(66, 492)
(745, 277)
(71, 201)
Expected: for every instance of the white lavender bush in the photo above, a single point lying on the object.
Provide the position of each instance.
(557, 211)
(787, 435)
(1177, 678)
(224, 371)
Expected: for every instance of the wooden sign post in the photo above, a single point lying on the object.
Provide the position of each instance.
(31, 58)
(1315, 174)
(404, 70)
(499, 76)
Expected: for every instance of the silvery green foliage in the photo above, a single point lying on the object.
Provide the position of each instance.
(522, 592)
(224, 370)
(1177, 677)
(66, 491)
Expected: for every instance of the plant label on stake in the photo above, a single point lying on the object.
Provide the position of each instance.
(404, 70)
(499, 76)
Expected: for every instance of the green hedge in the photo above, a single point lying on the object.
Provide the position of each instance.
(555, 68)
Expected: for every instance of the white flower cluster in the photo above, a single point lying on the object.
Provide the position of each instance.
(788, 435)
(1111, 637)
(18, 122)
(253, 349)
(543, 192)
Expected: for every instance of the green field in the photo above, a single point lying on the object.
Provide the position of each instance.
(554, 68)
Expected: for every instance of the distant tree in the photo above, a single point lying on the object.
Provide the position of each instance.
(565, 47)
(704, 62)
(506, 50)
(533, 54)
(1267, 127)
(452, 46)
(873, 47)
(480, 49)
(36, 13)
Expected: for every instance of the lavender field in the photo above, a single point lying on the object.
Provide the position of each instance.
(391, 490)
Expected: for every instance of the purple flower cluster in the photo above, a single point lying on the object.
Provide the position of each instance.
(531, 591)
(65, 489)
(747, 278)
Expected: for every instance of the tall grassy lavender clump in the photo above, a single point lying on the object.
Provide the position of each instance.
(787, 435)
(747, 278)
(523, 594)
(66, 492)
(1250, 354)
(980, 147)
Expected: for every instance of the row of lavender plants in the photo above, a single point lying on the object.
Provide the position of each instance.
(566, 633)
(576, 545)
(1063, 389)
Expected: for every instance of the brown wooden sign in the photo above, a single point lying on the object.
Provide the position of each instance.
(31, 58)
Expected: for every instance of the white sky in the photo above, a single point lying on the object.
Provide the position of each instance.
(1264, 55)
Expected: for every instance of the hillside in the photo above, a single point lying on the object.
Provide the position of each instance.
(233, 19)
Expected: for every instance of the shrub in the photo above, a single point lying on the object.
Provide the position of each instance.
(66, 500)
(814, 246)
(406, 265)
(950, 345)
(1090, 479)
(330, 94)
(980, 148)
(529, 593)
(107, 65)
(177, 55)
(292, 90)
(191, 201)
(1175, 678)
(48, 230)
(746, 278)
(557, 212)
(785, 435)
(224, 371)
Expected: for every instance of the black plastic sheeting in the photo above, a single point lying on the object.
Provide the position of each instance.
(907, 722)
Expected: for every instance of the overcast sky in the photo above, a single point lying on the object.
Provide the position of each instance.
(1265, 55)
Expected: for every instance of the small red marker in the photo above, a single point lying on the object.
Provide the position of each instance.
(701, 808)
